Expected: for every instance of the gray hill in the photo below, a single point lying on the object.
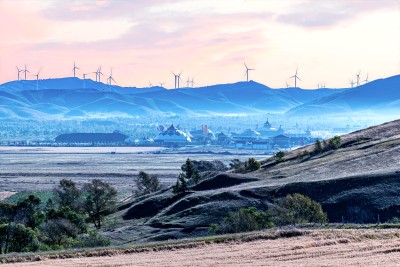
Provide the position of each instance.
(354, 183)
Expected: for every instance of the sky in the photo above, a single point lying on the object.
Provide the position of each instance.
(144, 41)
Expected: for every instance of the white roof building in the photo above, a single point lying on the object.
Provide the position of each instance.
(172, 135)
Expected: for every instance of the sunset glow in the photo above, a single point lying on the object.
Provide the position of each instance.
(144, 41)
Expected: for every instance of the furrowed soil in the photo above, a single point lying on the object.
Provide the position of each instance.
(309, 248)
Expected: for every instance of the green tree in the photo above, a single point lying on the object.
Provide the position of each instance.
(7, 212)
(279, 156)
(181, 185)
(147, 184)
(295, 209)
(252, 165)
(67, 194)
(16, 237)
(100, 200)
(28, 212)
(335, 142)
(318, 146)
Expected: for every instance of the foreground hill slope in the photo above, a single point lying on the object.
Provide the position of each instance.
(354, 183)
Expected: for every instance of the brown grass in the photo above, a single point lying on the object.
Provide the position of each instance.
(298, 248)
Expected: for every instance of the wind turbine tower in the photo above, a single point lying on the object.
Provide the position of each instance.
(84, 79)
(192, 82)
(25, 71)
(295, 79)
(358, 78)
(187, 82)
(177, 78)
(110, 79)
(37, 79)
(98, 73)
(352, 83)
(247, 72)
(18, 71)
(74, 69)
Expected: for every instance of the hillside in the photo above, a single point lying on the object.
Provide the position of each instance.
(355, 183)
(379, 96)
(67, 97)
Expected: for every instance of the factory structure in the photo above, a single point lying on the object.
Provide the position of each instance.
(265, 138)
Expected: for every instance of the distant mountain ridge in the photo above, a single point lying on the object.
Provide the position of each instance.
(381, 95)
(67, 97)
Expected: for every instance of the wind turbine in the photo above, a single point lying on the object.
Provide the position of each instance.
(192, 82)
(74, 69)
(351, 83)
(110, 79)
(25, 71)
(150, 84)
(187, 82)
(358, 78)
(18, 71)
(161, 84)
(84, 79)
(287, 85)
(37, 79)
(366, 79)
(177, 78)
(295, 79)
(247, 72)
(98, 73)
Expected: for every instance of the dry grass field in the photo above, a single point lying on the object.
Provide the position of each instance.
(310, 248)
(40, 168)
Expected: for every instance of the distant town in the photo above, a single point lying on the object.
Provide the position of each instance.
(268, 138)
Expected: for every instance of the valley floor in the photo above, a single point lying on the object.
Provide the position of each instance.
(312, 248)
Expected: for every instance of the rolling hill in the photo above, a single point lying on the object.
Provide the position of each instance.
(378, 96)
(358, 182)
(66, 97)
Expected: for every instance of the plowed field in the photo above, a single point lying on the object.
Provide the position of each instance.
(313, 248)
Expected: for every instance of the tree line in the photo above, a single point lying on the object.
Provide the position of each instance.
(61, 223)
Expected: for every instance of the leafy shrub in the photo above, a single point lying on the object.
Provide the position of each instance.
(295, 209)
(209, 166)
(279, 156)
(245, 166)
(91, 240)
(394, 220)
(237, 165)
(318, 147)
(58, 233)
(252, 165)
(243, 220)
(335, 142)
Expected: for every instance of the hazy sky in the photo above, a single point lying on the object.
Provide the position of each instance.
(144, 40)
